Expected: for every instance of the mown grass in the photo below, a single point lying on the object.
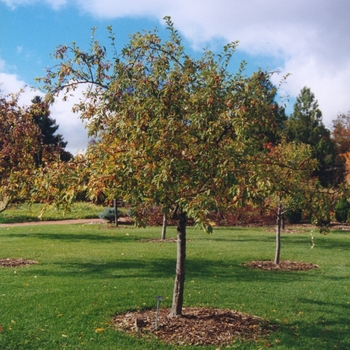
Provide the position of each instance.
(87, 273)
(23, 212)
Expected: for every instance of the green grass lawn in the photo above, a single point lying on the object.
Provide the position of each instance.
(23, 212)
(87, 273)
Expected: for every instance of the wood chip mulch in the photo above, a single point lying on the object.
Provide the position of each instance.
(284, 265)
(196, 326)
(16, 262)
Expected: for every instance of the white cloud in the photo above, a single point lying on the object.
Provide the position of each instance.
(11, 83)
(56, 4)
(70, 125)
(309, 37)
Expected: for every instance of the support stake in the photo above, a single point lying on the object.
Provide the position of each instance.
(159, 298)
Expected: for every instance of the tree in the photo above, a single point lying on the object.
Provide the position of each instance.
(285, 183)
(341, 138)
(172, 130)
(342, 209)
(278, 127)
(341, 133)
(164, 225)
(19, 142)
(305, 125)
(52, 142)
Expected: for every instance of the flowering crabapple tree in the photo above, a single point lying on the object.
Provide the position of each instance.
(170, 129)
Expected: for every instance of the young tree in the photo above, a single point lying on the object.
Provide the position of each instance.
(285, 183)
(172, 130)
(305, 125)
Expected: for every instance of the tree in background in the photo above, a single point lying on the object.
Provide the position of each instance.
(173, 131)
(285, 181)
(341, 138)
(305, 125)
(278, 127)
(19, 143)
(341, 133)
(49, 140)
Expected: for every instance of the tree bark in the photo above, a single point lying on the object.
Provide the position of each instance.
(176, 308)
(278, 232)
(163, 236)
(4, 202)
(115, 212)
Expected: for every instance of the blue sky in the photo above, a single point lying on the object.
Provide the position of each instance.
(308, 39)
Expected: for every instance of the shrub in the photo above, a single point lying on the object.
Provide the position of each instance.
(294, 216)
(342, 210)
(109, 214)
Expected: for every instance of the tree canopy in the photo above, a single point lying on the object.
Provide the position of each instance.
(19, 142)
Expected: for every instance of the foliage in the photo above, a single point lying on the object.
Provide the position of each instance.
(278, 127)
(24, 148)
(342, 210)
(321, 203)
(19, 142)
(294, 216)
(59, 183)
(305, 125)
(341, 139)
(341, 132)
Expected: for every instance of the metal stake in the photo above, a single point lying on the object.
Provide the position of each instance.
(159, 298)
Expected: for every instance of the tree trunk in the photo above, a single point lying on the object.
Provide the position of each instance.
(278, 232)
(4, 202)
(176, 308)
(163, 236)
(115, 202)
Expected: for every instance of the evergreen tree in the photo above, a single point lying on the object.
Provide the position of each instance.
(48, 127)
(305, 125)
(280, 118)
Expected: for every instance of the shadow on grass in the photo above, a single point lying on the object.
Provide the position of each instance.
(77, 237)
(165, 268)
(328, 243)
(331, 331)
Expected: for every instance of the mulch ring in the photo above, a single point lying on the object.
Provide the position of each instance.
(196, 326)
(284, 265)
(16, 262)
